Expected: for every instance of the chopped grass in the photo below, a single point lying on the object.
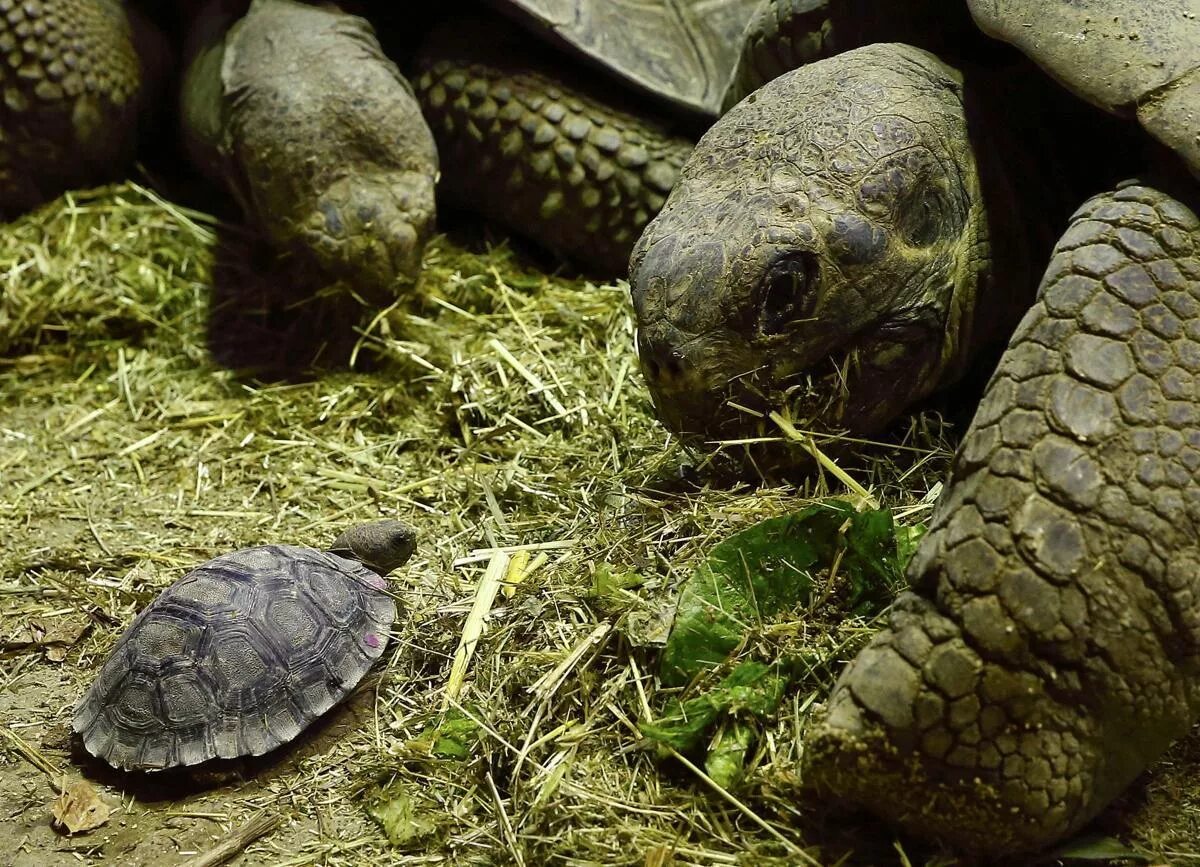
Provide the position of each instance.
(499, 409)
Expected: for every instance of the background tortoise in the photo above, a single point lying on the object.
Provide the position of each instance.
(1049, 647)
(243, 652)
(554, 127)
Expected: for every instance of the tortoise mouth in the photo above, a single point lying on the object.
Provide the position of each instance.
(815, 400)
(708, 394)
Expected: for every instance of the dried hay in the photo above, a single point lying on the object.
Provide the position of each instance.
(501, 411)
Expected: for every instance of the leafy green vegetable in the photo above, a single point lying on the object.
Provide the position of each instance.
(726, 758)
(456, 736)
(608, 582)
(766, 570)
(761, 574)
(452, 738)
(907, 539)
(752, 688)
(396, 812)
(643, 618)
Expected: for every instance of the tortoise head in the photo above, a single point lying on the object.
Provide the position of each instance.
(381, 546)
(820, 252)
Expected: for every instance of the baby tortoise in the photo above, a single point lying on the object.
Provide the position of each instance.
(245, 651)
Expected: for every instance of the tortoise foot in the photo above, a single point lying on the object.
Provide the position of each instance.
(77, 73)
(1048, 651)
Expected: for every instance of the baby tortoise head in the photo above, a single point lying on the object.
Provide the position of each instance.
(820, 253)
(381, 546)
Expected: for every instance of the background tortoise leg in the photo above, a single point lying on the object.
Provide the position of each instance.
(73, 77)
(296, 108)
(1050, 646)
(575, 167)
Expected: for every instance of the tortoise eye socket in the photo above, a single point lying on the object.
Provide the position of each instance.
(788, 291)
(930, 216)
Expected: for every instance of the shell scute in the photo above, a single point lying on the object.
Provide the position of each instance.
(236, 658)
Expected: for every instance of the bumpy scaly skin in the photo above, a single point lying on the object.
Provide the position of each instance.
(70, 82)
(540, 152)
(822, 250)
(318, 134)
(1050, 647)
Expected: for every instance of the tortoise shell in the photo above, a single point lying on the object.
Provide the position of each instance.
(1127, 57)
(681, 52)
(236, 658)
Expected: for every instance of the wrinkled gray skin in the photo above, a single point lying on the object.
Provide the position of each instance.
(243, 652)
(826, 257)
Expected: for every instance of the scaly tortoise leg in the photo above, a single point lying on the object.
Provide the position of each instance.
(1050, 646)
(73, 78)
(535, 149)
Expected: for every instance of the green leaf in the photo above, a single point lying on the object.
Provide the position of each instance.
(456, 736)
(610, 582)
(612, 589)
(726, 760)
(766, 570)
(752, 689)
(761, 575)
(682, 727)
(452, 738)
(871, 560)
(907, 539)
(643, 618)
(396, 812)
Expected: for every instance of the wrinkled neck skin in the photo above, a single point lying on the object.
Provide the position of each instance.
(820, 255)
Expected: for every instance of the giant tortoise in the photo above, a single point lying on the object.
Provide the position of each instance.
(834, 249)
(554, 117)
(243, 652)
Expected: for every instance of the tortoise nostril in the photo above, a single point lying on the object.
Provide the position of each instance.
(664, 368)
(661, 362)
(674, 364)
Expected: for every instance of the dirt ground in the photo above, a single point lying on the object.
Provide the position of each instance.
(159, 406)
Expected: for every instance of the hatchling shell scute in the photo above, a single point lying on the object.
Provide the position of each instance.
(236, 658)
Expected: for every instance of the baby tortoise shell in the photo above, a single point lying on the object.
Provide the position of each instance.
(243, 652)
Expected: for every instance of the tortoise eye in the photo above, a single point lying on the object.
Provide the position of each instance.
(929, 216)
(788, 291)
